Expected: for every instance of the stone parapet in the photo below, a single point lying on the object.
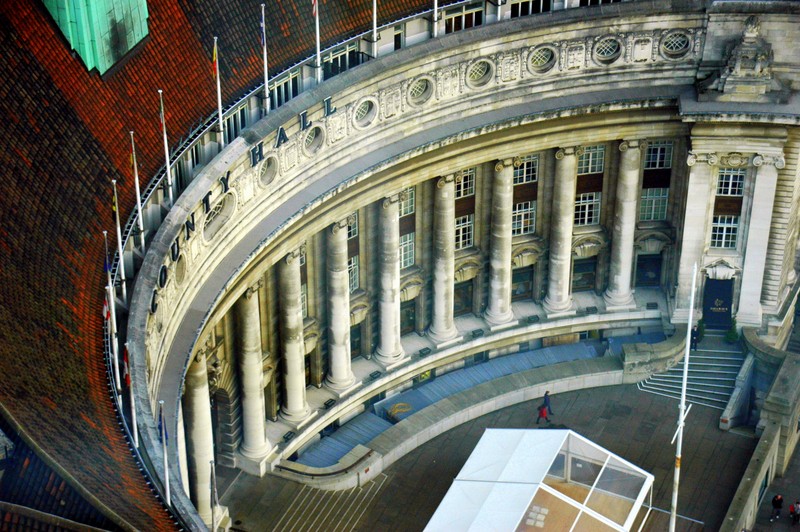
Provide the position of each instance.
(642, 360)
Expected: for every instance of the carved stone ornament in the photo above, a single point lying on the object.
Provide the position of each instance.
(294, 255)
(777, 161)
(410, 288)
(625, 145)
(652, 242)
(442, 181)
(466, 269)
(711, 159)
(747, 75)
(569, 150)
(527, 254)
(253, 289)
(343, 224)
(395, 198)
(721, 271)
(734, 159)
(358, 312)
(589, 245)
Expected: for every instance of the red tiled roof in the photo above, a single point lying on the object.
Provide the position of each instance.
(65, 135)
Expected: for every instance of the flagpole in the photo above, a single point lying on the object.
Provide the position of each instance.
(113, 337)
(107, 265)
(219, 96)
(166, 146)
(213, 497)
(374, 28)
(435, 18)
(134, 428)
(683, 411)
(163, 427)
(319, 54)
(140, 220)
(119, 246)
(264, 51)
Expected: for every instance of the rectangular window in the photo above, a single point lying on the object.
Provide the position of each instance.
(304, 299)
(407, 250)
(523, 220)
(399, 36)
(528, 172)
(463, 17)
(302, 256)
(340, 60)
(723, 232)
(284, 89)
(464, 231)
(653, 205)
(466, 186)
(587, 209)
(196, 155)
(352, 272)
(352, 226)
(592, 160)
(659, 155)
(731, 181)
(408, 205)
(521, 8)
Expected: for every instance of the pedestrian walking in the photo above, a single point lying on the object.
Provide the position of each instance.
(796, 513)
(547, 403)
(695, 336)
(542, 414)
(777, 504)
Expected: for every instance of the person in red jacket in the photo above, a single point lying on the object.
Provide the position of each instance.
(542, 414)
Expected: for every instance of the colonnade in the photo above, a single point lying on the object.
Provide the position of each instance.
(389, 352)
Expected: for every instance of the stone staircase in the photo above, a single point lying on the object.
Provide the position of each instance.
(713, 368)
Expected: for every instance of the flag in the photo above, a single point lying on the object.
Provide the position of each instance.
(114, 204)
(106, 266)
(263, 34)
(314, 8)
(214, 59)
(126, 374)
(162, 425)
(106, 308)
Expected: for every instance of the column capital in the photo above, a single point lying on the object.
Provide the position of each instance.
(627, 144)
(395, 198)
(711, 159)
(776, 160)
(516, 162)
(449, 178)
(569, 150)
(343, 223)
(295, 254)
(253, 288)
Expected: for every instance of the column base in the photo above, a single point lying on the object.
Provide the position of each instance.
(447, 337)
(559, 309)
(504, 326)
(296, 418)
(494, 319)
(619, 302)
(253, 465)
(388, 363)
(752, 316)
(298, 423)
(340, 390)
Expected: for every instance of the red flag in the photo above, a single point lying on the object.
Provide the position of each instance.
(214, 59)
(106, 309)
(125, 373)
(314, 8)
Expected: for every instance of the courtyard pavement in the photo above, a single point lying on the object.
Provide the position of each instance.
(637, 426)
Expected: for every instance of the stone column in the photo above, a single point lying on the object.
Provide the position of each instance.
(699, 209)
(498, 311)
(619, 296)
(340, 375)
(559, 299)
(254, 441)
(761, 211)
(199, 436)
(390, 351)
(295, 407)
(442, 327)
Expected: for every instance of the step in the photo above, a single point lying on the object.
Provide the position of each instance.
(709, 394)
(672, 396)
(718, 385)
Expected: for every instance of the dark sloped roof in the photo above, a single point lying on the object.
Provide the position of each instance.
(65, 135)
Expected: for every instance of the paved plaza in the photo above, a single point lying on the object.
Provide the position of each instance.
(635, 425)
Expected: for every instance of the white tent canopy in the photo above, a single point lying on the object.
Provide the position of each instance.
(518, 479)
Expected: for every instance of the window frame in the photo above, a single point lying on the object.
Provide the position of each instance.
(592, 160)
(466, 186)
(651, 204)
(523, 218)
(528, 171)
(724, 233)
(407, 250)
(730, 181)
(464, 231)
(587, 208)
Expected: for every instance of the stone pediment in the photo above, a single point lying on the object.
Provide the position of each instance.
(721, 270)
(747, 74)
